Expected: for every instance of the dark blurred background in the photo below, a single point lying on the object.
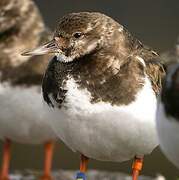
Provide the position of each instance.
(156, 23)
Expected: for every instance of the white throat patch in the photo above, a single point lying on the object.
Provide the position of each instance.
(63, 58)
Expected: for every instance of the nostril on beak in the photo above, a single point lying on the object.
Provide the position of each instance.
(50, 45)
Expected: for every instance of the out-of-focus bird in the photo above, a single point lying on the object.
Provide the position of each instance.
(171, 56)
(22, 115)
(168, 112)
(101, 88)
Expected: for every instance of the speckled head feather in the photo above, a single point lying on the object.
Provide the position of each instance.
(78, 34)
(81, 33)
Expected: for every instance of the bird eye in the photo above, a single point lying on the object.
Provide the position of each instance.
(77, 35)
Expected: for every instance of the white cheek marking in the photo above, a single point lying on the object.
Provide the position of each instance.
(91, 47)
(141, 60)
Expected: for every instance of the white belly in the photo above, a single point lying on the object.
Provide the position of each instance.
(22, 115)
(168, 134)
(105, 132)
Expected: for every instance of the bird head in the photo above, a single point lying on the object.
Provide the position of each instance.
(79, 34)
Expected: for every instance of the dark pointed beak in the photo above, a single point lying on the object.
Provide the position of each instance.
(50, 47)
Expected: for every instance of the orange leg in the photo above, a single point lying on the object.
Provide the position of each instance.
(136, 167)
(49, 146)
(83, 163)
(83, 168)
(5, 160)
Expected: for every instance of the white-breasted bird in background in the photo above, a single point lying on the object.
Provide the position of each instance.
(167, 111)
(23, 118)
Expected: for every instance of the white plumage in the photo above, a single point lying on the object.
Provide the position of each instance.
(105, 132)
(23, 118)
(168, 133)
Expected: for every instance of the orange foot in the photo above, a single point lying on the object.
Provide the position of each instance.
(4, 178)
(45, 177)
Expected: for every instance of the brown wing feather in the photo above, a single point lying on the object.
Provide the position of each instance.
(154, 68)
(156, 72)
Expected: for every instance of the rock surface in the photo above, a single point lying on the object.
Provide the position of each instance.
(70, 175)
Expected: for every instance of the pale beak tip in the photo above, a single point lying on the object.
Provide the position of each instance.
(49, 47)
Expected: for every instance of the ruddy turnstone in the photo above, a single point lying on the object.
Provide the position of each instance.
(171, 56)
(22, 116)
(101, 88)
(168, 112)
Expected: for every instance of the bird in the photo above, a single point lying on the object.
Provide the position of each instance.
(101, 88)
(22, 114)
(167, 117)
(171, 56)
